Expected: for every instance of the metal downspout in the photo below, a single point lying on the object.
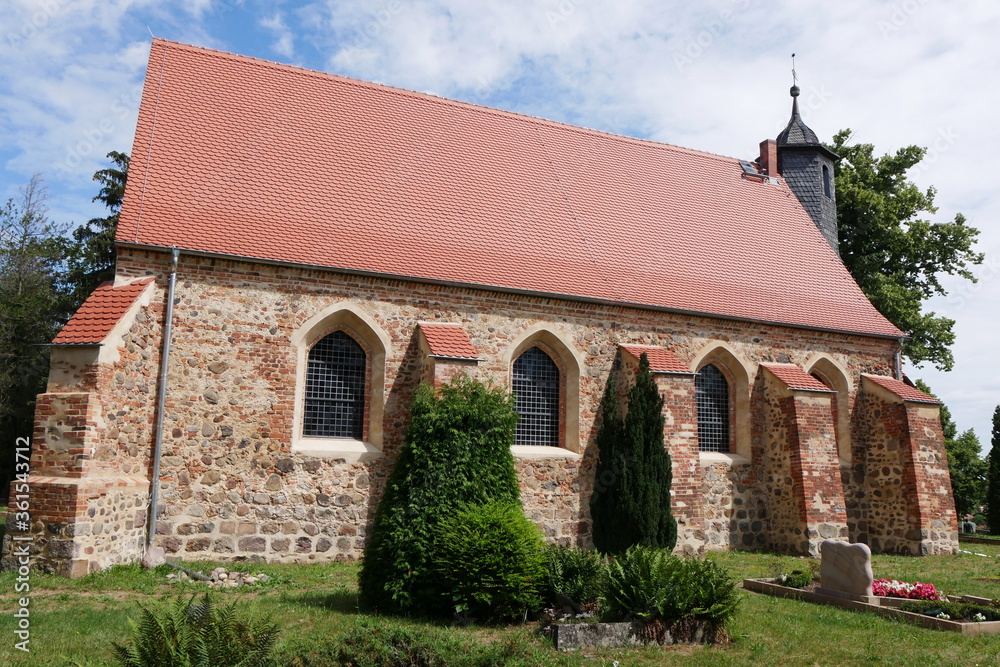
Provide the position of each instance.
(899, 360)
(161, 398)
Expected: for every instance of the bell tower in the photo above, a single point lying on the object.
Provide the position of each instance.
(807, 167)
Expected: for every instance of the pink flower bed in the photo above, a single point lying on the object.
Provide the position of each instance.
(900, 589)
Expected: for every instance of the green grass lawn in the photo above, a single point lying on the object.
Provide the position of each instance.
(74, 621)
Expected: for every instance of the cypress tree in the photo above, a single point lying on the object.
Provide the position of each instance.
(457, 454)
(993, 478)
(632, 487)
(604, 510)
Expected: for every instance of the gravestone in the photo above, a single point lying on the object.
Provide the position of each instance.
(846, 570)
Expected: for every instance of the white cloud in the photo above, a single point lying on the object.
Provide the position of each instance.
(284, 43)
(712, 76)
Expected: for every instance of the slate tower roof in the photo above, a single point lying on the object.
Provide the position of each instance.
(807, 166)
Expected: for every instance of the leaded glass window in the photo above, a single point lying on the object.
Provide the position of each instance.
(712, 391)
(536, 391)
(335, 388)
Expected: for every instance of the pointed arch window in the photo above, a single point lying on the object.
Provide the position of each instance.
(712, 391)
(335, 388)
(536, 381)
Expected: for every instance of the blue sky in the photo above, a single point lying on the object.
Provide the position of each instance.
(711, 75)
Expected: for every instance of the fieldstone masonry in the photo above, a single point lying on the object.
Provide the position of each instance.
(237, 481)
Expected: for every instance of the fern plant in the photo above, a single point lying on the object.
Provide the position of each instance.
(652, 584)
(197, 635)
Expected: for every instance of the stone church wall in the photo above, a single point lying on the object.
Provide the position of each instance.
(235, 485)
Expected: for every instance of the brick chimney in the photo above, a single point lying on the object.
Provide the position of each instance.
(768, 159)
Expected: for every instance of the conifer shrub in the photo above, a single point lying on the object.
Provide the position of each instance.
(457, 453)
(654, 585)
(579, 574)
(197, 635)
(993, 477)
(490, 562)
(631, 500)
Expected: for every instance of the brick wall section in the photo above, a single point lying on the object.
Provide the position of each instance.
(905, 504)
(91, 452)
(926, 472)
(233, 487)
(800, 467)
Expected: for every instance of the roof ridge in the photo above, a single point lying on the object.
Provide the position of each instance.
(439, 99)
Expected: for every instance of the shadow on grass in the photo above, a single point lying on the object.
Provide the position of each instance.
(340, 600)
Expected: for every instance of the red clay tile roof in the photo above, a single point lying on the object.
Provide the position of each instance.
(99, 314)
(901, 389)
(448, 340)
(661, 360)
(245, 157)
(795, 378)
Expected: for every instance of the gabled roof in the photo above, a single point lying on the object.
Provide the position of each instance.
(661, 360)
(795, 378)
(448, 340)
(243, 157)
(99, 314)
(901, 389)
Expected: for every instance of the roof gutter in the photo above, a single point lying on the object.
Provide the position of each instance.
(505, 290)
(161, 398)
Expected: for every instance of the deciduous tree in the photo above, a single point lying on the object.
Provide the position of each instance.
(968, 471)
(894, 254)
(32, 309)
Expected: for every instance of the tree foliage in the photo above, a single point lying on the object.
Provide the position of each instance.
(993, 477)
(895, 256)
(490, 561)
(457, 453)
(32, 308)
(631, 500)
(45, 274)
(967, 470)
(91, 252)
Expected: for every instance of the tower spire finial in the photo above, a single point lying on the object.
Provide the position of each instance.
(794, 92)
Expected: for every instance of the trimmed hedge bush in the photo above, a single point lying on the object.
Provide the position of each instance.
(653, 584)
(490, 562)
(457, 453)
(578, 574)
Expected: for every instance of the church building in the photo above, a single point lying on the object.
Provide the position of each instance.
(298, 251)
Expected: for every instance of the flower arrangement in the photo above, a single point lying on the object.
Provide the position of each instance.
(902, 589)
